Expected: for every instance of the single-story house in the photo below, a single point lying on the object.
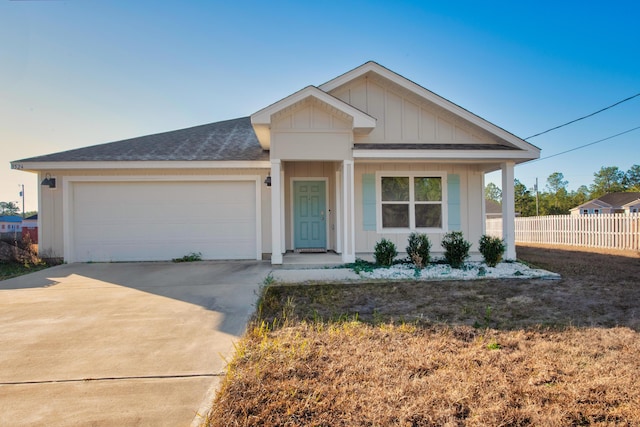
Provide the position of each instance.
(335, 167)
(620, 202)
(10, 223)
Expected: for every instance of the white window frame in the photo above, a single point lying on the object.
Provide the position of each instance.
(412, 220)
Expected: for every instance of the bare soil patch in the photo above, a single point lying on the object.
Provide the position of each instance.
(494, 352)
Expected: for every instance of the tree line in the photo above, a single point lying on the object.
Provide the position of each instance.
(555, 199)
(11, 208)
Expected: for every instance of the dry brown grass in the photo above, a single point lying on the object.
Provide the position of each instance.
(443, 371)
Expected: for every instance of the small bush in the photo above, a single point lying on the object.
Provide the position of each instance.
(492, 249)
(418, 249)
(384, 252)
(193, 256)
(456, 249)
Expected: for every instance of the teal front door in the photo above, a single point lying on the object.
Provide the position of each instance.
(309, 215)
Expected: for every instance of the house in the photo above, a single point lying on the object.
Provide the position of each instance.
(335, 167)
(30, 228)
(621, 202)
(10, 225)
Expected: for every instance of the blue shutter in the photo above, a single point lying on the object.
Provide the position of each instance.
(369, 202)
(453, 203)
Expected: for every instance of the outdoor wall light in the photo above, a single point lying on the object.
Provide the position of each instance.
(51, 182)
(267, 180)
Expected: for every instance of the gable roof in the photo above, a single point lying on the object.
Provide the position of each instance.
(372, 67)
(613, 200)
(226, 140)
(261, 120)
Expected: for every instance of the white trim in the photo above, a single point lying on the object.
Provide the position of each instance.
(457, 155)
(276, 211)
(412, 174)
(67, 201)
(292, 210)
(508, 210)
(338, 213)
(143, 164)
(348, 246)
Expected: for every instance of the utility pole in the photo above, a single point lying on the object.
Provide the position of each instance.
(537, 213)
(22, 195)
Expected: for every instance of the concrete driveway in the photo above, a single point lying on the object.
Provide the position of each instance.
(120, 344)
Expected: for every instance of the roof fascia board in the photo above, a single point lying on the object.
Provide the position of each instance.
(432, 97)
(222, 164)
(441, 154)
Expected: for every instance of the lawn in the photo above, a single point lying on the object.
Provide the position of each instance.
(459, 353)
(15, 269)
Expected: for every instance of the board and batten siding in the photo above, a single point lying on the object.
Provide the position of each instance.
(464, 206)
(311, 131)
(402, 117)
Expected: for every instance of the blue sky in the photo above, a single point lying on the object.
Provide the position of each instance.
(78, 73)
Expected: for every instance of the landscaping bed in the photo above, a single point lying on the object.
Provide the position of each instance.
(483, 352)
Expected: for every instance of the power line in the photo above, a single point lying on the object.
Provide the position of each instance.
(586, 145)
(584, 117)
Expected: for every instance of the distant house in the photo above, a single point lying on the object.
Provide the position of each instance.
(9, 225)
(493, 209)
(622, 202)
(30, 228)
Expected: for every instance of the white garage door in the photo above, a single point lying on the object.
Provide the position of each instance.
(151, 221)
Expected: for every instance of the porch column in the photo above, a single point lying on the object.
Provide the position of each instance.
(508, 211)
(348, 213)
(276, 212)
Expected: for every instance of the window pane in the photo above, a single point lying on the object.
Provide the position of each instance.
(428, 216)
(395, 216)
(395, 189)
(428, 189)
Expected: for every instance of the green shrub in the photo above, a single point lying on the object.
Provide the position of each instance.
(193, 256)
(418, 249)
(492, 249)
(456, 248)
(384, 252)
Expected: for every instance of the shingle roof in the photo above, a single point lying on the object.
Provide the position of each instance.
(617, 200)
(226, 140)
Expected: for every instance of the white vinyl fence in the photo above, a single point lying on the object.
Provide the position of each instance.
(611, 231)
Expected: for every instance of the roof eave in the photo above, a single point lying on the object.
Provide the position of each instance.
(141, 164)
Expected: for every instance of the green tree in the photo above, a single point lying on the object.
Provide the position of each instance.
(559, 200)
(493, 192)
(9, 208)
(609, 179)
(556, 182)
(525, 201)
(579, 196)
(632, 178)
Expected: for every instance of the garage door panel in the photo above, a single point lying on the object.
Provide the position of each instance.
(144, 221)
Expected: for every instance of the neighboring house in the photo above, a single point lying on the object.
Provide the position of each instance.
(367, 155)
(30, 228)
(10, 225)
(493, 209)
(621, 202)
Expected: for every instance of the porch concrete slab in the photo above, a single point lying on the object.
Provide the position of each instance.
(122, 343)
